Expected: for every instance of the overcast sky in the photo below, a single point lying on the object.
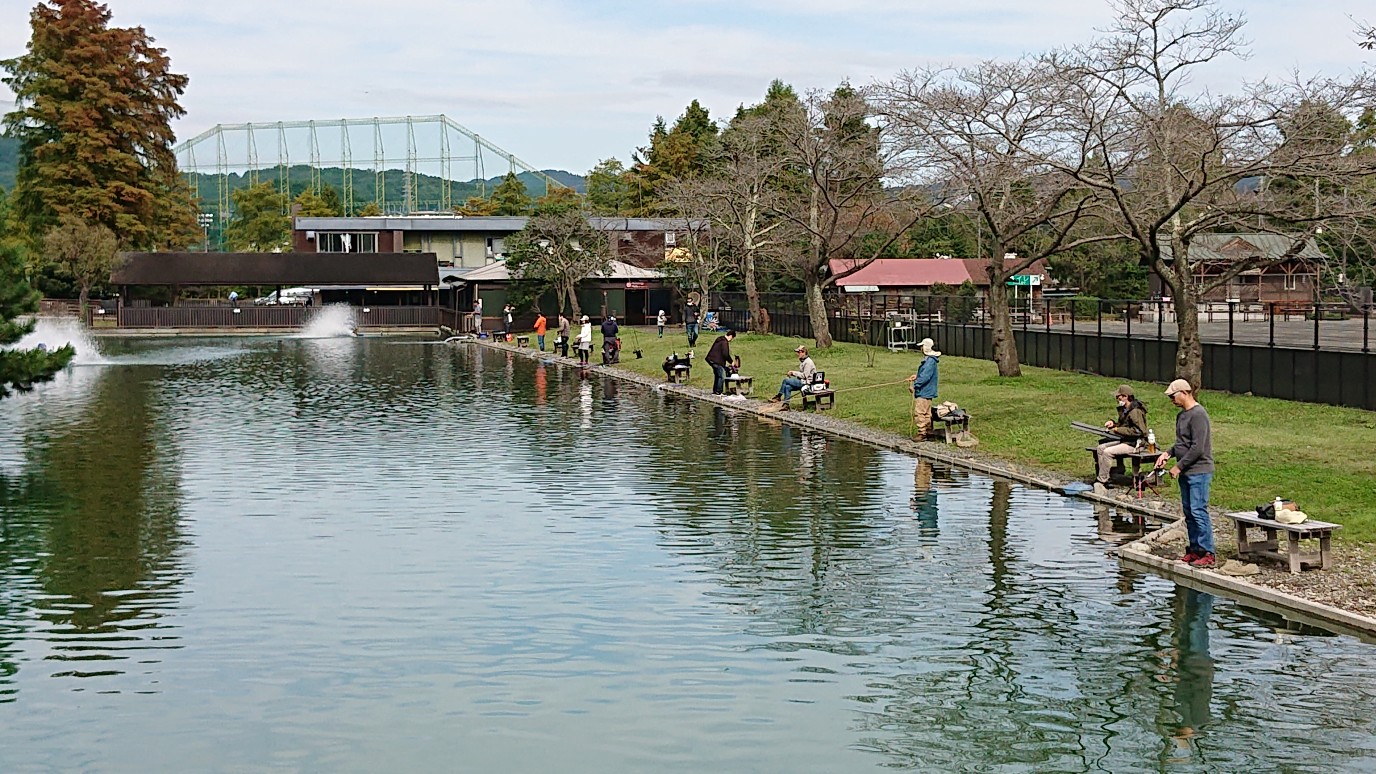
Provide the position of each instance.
(565, 84)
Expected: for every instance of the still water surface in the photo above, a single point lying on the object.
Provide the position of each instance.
(379, 555)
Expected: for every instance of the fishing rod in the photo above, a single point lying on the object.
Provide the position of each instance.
(871, 386)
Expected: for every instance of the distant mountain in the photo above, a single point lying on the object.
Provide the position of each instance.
(428, 194)
(428, 187)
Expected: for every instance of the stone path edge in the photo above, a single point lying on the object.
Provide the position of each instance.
(1136, 553)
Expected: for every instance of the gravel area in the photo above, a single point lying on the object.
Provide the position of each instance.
(1348, 582)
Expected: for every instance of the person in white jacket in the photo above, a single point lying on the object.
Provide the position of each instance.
(584, 341)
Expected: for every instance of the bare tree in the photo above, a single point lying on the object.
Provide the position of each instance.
(835, 194)
(88, 251)
(1169, 163)
(982, 134)
(559, 249)
(703, 256)
(740, 194)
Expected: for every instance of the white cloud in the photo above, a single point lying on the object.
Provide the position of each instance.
(564, 84)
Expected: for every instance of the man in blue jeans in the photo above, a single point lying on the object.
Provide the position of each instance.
(719, 357)
(1194, 469)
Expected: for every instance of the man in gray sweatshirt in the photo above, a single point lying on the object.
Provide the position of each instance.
(1194, 469)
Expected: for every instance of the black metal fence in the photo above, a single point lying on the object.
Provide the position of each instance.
(1318, 353)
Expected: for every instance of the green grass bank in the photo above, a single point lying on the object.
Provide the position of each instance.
(1322, 457)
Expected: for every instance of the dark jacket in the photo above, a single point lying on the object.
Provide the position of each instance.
(610, 328)
(720, 353)
(1132, 421)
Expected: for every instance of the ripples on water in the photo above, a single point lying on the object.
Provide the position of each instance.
(345, 554)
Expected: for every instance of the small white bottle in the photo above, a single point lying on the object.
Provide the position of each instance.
(1151, 440)
(1276, 505)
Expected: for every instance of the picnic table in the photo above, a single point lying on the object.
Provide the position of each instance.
(1269, 546)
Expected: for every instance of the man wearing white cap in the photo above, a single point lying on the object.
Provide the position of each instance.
(794, 380)
(1194, 469)
(924, 388)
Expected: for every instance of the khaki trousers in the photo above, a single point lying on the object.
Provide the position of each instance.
(1106, 453)
(922, 416)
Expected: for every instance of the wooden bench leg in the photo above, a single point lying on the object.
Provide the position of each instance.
(1293, 542)
(1323, 550)
(1243, 547)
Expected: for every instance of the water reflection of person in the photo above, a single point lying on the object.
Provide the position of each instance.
(812, 449)
(1116, 526)
(1194, 686)
(541, 385)
(924, 496)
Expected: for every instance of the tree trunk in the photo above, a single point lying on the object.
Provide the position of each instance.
(752, 293)
(817, 311)
(1189, 351)
(571, 291)
(83, 299)
(1001, 327)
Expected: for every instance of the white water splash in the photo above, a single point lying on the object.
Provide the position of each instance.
(58, 332)
(330, 322)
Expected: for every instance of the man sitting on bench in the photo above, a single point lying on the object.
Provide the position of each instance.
(1130, 427)
(794, 380)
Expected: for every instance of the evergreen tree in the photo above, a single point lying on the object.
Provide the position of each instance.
(334, 205)
(510, 196)
(93, 112)
(313, 206)
(673, 154)
(260, 224)
(608, 188)
(21, 368)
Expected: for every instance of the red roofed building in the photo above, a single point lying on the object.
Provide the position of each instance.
(916, 276)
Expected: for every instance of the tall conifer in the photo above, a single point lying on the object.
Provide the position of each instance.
(93, 112)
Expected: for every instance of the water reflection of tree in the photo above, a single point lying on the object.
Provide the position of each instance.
(782, 515)
(94, 522)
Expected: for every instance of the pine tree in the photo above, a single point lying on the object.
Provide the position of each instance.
(510, 196)
(93, 112)
(21, 368)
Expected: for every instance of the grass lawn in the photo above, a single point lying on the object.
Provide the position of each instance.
(1322, 457)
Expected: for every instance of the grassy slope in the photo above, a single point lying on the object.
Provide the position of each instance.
(1323, 457)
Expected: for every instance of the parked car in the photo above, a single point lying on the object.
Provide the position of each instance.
(286, 297)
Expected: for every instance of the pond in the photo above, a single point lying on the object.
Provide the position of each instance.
(345, 554)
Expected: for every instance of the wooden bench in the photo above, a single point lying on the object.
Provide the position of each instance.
(951, 425)
(1137, 458)
(1269, 546)
(739, 385)
(679, 374)
(522, 342)
(821, 400)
